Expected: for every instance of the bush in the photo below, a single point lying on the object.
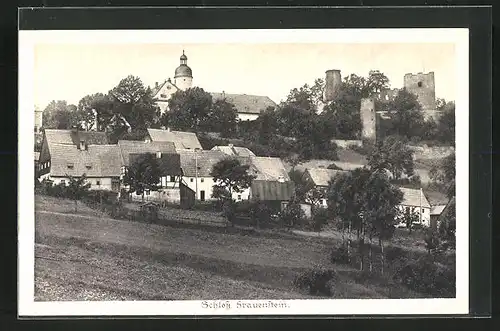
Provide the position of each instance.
(426, 276)
(394, 253)
(316, 281)
(101, 196)
(320, 218)
(292, 215)
(340, 255)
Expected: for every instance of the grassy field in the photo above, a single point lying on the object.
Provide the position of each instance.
(86, 256)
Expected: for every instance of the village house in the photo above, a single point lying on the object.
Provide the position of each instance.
(415, 201)
(320, 178)
(169, 162)
(196, 167)
(435, 214)
(100, 163)
(180, 139)
(74, 138)
(248, 107)
(232, 150)
(276, 194)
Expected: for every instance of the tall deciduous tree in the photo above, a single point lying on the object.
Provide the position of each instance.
(222, 118)
(100, 104)
(189, 110)
(143, 174)
(446, 124)
(392, 154)
(406, 115)
(132, 100)
(231, 175)
(444, 175)
(59, 115)
(77, 188)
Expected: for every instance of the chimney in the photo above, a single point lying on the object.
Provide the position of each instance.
(333, 80)
(223, 94)
(156, 84)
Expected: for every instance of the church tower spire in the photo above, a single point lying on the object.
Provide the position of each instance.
(183, 78)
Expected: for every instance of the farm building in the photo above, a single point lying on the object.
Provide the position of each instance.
(415, 201)
(180, 139)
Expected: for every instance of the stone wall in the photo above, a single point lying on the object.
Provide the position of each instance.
(347, 143)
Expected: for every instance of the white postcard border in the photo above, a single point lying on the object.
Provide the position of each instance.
(28, 307)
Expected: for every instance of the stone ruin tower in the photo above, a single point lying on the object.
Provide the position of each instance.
(368, 119)
(424, 87)
(38, 119)
(333, 81)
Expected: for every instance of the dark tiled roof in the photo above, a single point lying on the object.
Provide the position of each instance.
(272, 190)
(128, 147)
(181, 140)
(321, 176)
(96, 161)
(244, 103)
(169, 164)
(204, 159)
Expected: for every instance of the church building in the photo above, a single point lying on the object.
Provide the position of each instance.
(248, 106)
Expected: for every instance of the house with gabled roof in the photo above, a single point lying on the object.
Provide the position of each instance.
(319, 178)
(415, 201)
(168, 161)
(100, 163)
(76, 138)
(248, 106)
(180, 139)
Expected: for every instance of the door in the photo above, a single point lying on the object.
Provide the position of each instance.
(202, 195)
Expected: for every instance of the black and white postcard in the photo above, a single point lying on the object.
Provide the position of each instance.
(243, 172)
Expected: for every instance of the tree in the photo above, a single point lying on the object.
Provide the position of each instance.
(292, 214)
(443, 175)
(143, 174)
(93, 105)
(222, 118)
(231, 175)
(132, 100)
(189, 110)
(376, 82)
(409, 218)
(394, 155)
(446, 124)
(406, 115)
(365, 201)
(59, 115)
(77, 188)
(302, 186)
(267, 125)
(307, 98)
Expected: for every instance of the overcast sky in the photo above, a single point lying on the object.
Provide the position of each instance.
(71, 71)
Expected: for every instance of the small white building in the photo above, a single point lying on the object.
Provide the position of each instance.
(320, 178)
(415, 201)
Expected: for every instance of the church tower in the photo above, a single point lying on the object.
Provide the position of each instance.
(183, 78)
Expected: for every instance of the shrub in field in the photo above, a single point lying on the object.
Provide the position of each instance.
(292, 214)
(340, 255)
(393, 253)
(316, 281)
(320, 218)
(425, 276)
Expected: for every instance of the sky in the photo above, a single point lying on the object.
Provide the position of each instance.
(71, 71)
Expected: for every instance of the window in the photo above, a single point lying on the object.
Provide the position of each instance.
(407, 209)
(202, 195)
(147, 192)
(202, 180)
(239, 196)
(88, 166)
(98, 182)
(63, 182)
(172, 178)
(423, 210)
(191, 180)
(71, 165)
(419, 84)
(163, 95)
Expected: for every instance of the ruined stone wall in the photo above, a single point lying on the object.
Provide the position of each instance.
(427, 152)
(333, 81)
(368, 119)
(423, 86)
